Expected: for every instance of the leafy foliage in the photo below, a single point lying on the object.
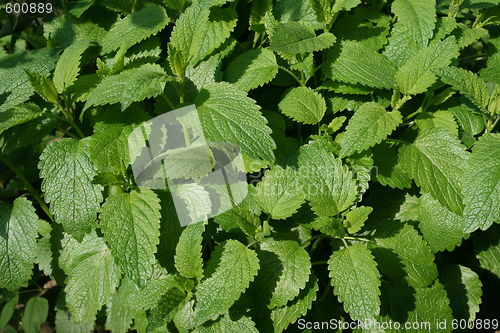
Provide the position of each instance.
(233, 166)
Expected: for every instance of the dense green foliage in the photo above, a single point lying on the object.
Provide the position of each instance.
(368, 133)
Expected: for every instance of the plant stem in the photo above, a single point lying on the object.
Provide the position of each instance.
(315, 245)
(396, 141)
(319, 262)
(69, 119)
(187, 139)
(182, 87)
(291, 73)
(168, 100)
(359, 239)
(325, 293)
(68, 133)
(27, 184)
(345, 243)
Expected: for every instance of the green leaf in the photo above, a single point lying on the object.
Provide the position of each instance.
(401, 45)
(468, 83)
(369, 125)
(221, 22)
(64, 323)
(418, 16)
(401, 253)
(135, 27)
(481, 188)
(356, 218)
(252, 69)
(463, 287)
(92, 276)
(170, 303)
(344, 5)
(491, 72)
(295, 38)
(18, 233)
(426, 306)
(67, 174)
(389, 171)
(437, 162)
(229, 272)
(415, 76)
(487, 248)
(239, 218)
(368, 27)
(353, 63)
(356, 281)
(227, 325)
(197, 202)
(188, 260)
(279, 194)
(199, 31)
(322, 10)
(18, 115)
(43, 87)
(68, 66)
(129, 86)
(228, 115)
(442, 229)
(186, 35)
(438, 119)
(119, 314)
(145, 298)
(35, 313)
(109, 146)
(15, 87)
(466, 36)
(185, 318)
(328, 185)
(130, 223)
(8, 310)
(293, 310)
(80, 7)
(303, 105)
(470, 123)
(284, 272)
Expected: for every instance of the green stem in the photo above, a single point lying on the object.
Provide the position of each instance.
(29, 291)
(489, 125)
(477, 22)
(77, 129)
(315, 245)
(168, 100)
(68, 133)
(494, 124)
(358, 239)
(27, 184)
(69, 119)
(325, 293)
(319, 262)
(182, 83)
(291, 73)
(473, 56)
(187, 139)
(345, 243)
(397, 141)
(311, 239)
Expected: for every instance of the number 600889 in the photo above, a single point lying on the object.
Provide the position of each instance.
(28, 8)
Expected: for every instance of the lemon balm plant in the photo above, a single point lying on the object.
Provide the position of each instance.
(369, 130)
